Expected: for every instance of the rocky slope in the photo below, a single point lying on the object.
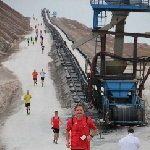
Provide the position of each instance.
(12, 26)
(77, 31)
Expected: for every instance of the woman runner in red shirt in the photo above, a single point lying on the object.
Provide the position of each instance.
(56, 122)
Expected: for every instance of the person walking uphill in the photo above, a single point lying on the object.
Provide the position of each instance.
(80, 126)
(27, 98)
(129, 142)
(56, 122)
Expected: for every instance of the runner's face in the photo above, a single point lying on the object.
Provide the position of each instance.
(56, 114)
(79, 111)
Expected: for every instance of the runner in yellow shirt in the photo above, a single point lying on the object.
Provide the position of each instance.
(27, 98)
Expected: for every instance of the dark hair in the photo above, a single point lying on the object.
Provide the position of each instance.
(79, 104)
(56, 111)
(130, 130)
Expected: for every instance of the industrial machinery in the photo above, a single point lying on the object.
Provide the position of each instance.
(116, 89)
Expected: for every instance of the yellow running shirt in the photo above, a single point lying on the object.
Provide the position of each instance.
(27, 98)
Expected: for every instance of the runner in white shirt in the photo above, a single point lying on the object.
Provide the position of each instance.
(42, 73)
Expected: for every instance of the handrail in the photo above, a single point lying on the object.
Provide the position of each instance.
(118, 2)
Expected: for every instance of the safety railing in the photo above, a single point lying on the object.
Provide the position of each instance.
(126, 2)
(97, 2)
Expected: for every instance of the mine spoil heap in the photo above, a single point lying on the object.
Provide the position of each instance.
(12, 26)
(77, 31)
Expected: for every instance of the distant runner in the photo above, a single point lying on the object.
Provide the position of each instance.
(41, 38)
(56, 122)
(37, 34)
(28, 40)
(31, 39)
(27, 98)
(36, 39)
(42, 48)
(41, 42)
(34, 73)
(36, 31)
(42, 73)
(41, 35)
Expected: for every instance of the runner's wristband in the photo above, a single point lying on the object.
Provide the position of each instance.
(91, 135)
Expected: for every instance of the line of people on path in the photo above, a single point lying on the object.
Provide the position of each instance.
(35, 74)
(42, 46)
(34, 40)
(81, 129)
(27, 96)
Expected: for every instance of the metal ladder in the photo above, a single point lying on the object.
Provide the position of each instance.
(101, 23)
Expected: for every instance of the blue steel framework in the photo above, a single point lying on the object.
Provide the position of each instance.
(120, 102)
(117, 5)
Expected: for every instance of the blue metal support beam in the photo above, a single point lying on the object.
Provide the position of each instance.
(122, 5)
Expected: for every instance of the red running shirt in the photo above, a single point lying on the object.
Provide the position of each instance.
(34, 74)
(78, 129)
(56, 122)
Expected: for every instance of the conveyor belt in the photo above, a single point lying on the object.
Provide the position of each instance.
(76, 78)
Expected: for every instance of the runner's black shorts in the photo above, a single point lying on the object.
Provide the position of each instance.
(55, 130)
(27, 104)
(42, 78)
(34, 78)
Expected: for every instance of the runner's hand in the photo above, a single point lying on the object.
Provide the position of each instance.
(89, 138)
(68, 144)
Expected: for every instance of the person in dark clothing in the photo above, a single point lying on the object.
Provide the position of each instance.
(42, 48)
(42, 38)
(31, 39)
(28, 39)
(36, 39)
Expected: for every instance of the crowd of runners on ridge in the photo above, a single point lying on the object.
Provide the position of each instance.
(31, 41)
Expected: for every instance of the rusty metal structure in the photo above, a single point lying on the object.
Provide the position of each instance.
(115, 90)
